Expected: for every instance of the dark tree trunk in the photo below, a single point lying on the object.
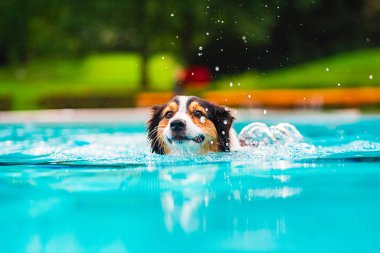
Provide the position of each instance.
(187, 39)
(144, 78)
(3, 57)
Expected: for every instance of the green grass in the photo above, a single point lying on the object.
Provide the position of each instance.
(106, 74)
(349, 70)
(112, 69)
(118, 73)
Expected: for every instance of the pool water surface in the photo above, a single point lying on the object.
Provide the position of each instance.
(96, 188)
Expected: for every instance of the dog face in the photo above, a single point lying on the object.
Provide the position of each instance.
(189, 125)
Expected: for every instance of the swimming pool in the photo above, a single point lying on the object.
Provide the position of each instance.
(96, 188)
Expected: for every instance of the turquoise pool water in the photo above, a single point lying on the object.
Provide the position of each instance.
(95, 188)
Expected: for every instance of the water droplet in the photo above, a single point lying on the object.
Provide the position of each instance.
(231, 84)
(249, 96)
(226, 109)
(225, 122)
(223, 132)
(265, 112)
(216, 68)
(172, 15)
(207, 33)
(202, 119)
(227, 144)
(370, 77)
(238, 84)
(338, 84)
(327, 69)
(200, 48)
(211, 142)
(206, 109)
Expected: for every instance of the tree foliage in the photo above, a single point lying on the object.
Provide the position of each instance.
(235, 35)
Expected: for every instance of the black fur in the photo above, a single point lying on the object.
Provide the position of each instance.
(152, 125)
(219, 115)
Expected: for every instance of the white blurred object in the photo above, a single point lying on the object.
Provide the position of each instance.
(258, 134)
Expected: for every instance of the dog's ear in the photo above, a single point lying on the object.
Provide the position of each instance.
(222, 119)
(152, 125)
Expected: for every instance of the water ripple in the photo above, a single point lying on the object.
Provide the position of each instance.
(121, 148)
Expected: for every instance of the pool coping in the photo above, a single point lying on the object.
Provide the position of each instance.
(140, 115)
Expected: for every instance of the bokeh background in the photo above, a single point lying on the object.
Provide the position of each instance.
(127, 53)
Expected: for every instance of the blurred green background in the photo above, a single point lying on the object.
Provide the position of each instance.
(70, 53)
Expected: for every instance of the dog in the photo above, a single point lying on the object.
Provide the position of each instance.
(191, 125)
(188, 124)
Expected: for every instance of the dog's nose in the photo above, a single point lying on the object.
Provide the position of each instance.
(177, 125)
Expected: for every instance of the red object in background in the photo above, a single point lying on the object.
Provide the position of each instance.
(195, 76)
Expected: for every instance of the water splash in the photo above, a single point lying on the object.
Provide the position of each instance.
(259, 134)
(102, 146)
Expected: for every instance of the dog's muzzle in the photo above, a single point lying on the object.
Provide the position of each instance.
(178, 128)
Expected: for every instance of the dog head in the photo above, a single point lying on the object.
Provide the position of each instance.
(189, 125)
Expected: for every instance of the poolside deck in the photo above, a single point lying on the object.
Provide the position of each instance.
(280, 98)
(284, 103)
(140, 115)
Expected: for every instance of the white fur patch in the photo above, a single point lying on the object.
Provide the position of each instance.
(191, 130)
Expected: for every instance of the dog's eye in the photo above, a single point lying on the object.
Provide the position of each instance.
(169, 114)
(198, 114)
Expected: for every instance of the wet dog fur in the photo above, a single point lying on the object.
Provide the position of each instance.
(188, 124)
